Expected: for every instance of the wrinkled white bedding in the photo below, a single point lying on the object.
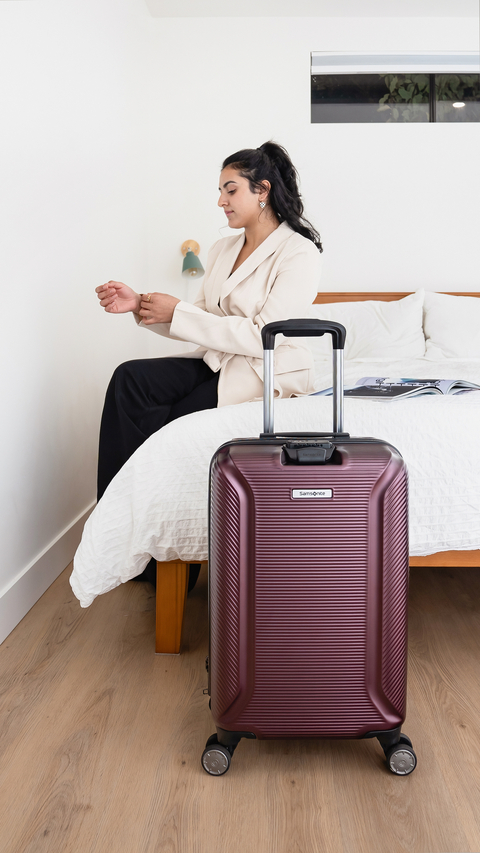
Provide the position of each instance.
(157, 504)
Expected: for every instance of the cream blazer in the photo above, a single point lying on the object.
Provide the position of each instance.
(278, 281)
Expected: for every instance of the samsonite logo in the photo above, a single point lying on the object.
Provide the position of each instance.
(312, 493)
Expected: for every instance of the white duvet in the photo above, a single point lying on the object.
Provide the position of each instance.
(157, 505)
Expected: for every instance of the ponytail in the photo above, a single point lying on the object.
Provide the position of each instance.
(272, 163)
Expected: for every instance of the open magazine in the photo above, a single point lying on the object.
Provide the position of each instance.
(386, 388)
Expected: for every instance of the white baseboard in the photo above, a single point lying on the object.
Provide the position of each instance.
(20, 595)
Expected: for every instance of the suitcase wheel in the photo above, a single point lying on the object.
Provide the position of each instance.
(401, 758)
(216, 758)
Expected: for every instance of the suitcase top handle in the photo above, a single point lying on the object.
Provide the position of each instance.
(303, 329)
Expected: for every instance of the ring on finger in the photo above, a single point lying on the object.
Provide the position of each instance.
(149, 296)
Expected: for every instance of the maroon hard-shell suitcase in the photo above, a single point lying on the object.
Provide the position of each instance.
(308, 582)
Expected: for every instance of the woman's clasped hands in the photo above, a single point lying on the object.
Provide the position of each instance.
(118, 298)
(157, 307)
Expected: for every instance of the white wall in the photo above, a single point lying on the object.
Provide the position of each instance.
(117, 126)
(73, 214)
(396, 205)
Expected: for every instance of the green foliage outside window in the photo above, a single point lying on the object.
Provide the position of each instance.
(458, 87)
(411, 92)
(395, 98)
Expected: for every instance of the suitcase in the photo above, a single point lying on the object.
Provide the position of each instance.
(308, 582)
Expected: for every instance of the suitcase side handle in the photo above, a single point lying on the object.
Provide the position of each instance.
(303, 328)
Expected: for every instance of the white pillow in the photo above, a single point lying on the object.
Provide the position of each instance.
(452, 326)
(374, 329)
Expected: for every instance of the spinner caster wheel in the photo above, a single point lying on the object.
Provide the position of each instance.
(401, 758)
(216, 758)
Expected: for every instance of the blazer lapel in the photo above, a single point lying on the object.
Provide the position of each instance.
(220, 272)
(263, 251)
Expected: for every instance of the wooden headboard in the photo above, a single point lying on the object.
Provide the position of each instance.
(359, 296)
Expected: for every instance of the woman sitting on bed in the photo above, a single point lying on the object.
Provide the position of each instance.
(271, 272)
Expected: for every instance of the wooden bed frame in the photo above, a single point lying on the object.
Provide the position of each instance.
(172, 577)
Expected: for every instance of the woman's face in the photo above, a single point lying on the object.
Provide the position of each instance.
(241, 205)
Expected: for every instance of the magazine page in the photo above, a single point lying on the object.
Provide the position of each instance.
(444, 386)
(391, 388)
(393, 380)
(381, 387)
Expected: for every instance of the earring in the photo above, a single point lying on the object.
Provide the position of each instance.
(262, 204)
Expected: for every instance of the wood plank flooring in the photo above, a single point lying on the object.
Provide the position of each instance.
(100, 740)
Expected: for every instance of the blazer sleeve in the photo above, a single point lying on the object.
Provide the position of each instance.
(292, 294)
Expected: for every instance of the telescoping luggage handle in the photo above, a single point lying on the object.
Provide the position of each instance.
(303, 329)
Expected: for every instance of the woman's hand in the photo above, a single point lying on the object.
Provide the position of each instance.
(118, 298)
(157, 308)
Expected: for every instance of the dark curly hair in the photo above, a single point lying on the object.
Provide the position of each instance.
(272, 163)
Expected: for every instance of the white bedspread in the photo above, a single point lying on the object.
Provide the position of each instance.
(157, 504)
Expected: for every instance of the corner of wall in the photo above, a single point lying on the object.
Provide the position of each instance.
(23, 592)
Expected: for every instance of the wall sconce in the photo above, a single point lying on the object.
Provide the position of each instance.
(191, 264)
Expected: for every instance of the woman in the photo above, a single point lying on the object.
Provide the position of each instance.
(270, 272)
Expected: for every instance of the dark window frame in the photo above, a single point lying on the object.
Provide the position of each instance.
(451, 81)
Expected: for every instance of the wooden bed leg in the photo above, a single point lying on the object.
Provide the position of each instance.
(172, 585)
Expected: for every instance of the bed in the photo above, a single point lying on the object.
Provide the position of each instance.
(157, 504)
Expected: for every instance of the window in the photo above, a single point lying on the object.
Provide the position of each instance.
(457, 97)
(348, 88)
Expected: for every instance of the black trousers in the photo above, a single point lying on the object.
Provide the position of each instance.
(143, 396)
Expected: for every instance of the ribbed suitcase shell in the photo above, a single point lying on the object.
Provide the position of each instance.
(308, 597)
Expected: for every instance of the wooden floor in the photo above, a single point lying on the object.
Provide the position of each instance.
(101, 741)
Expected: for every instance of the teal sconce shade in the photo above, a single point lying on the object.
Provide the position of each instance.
(191, 263)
